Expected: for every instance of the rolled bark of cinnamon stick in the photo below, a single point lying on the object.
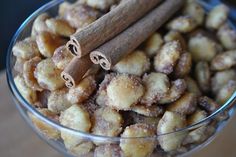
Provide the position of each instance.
(75, 70)
(109, 25)
(114, 50)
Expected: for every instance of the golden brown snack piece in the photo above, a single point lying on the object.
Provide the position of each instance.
(83, 90)
(61, 57)
(153, 44)
(101, 4)
(84, 149)
(176, 90)
(79, 15)
(124, 91)
(183, 24)
(217, 16)
(157, 85)
(76, 118)
(226, 92)
(18, 67)
(183, 65)
(167, 57)
(47, 75)
(224, 60)
(101, 98)
(208, 104)
(60, 27)
(28, 73)
(227, 36)
(28, 93)
(102, 93)
(108, 150)
(185, 105)
(171, 122)
(135, 63)
(196, 11)
(199, 134)
(107, 122)
(48, 42)
(26, 49)
(203, 76)
(39, 24)
(107, 79)
(63, 8)
(173, 35)
(139, 147)
(49, 131)
(57, 101)
(221, 78)
(197, 116)
(192, 86)
(149, 111)
(202, 48)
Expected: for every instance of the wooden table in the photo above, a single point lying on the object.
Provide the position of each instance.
(18, 140)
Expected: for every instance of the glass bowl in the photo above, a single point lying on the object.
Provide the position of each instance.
(86, 143)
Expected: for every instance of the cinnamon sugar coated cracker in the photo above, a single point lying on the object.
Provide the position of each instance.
(124, 91)
(137, 147)
(177, 77)
(107, 121)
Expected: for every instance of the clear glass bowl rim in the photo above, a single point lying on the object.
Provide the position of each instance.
(29, 107)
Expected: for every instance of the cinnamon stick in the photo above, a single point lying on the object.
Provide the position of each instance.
(109, 25)
(75, 70)
(112, 51)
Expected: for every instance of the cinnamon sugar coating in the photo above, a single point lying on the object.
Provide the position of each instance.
(177, 77)
(124, 91)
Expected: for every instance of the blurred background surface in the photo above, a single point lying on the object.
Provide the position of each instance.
(12, 14)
